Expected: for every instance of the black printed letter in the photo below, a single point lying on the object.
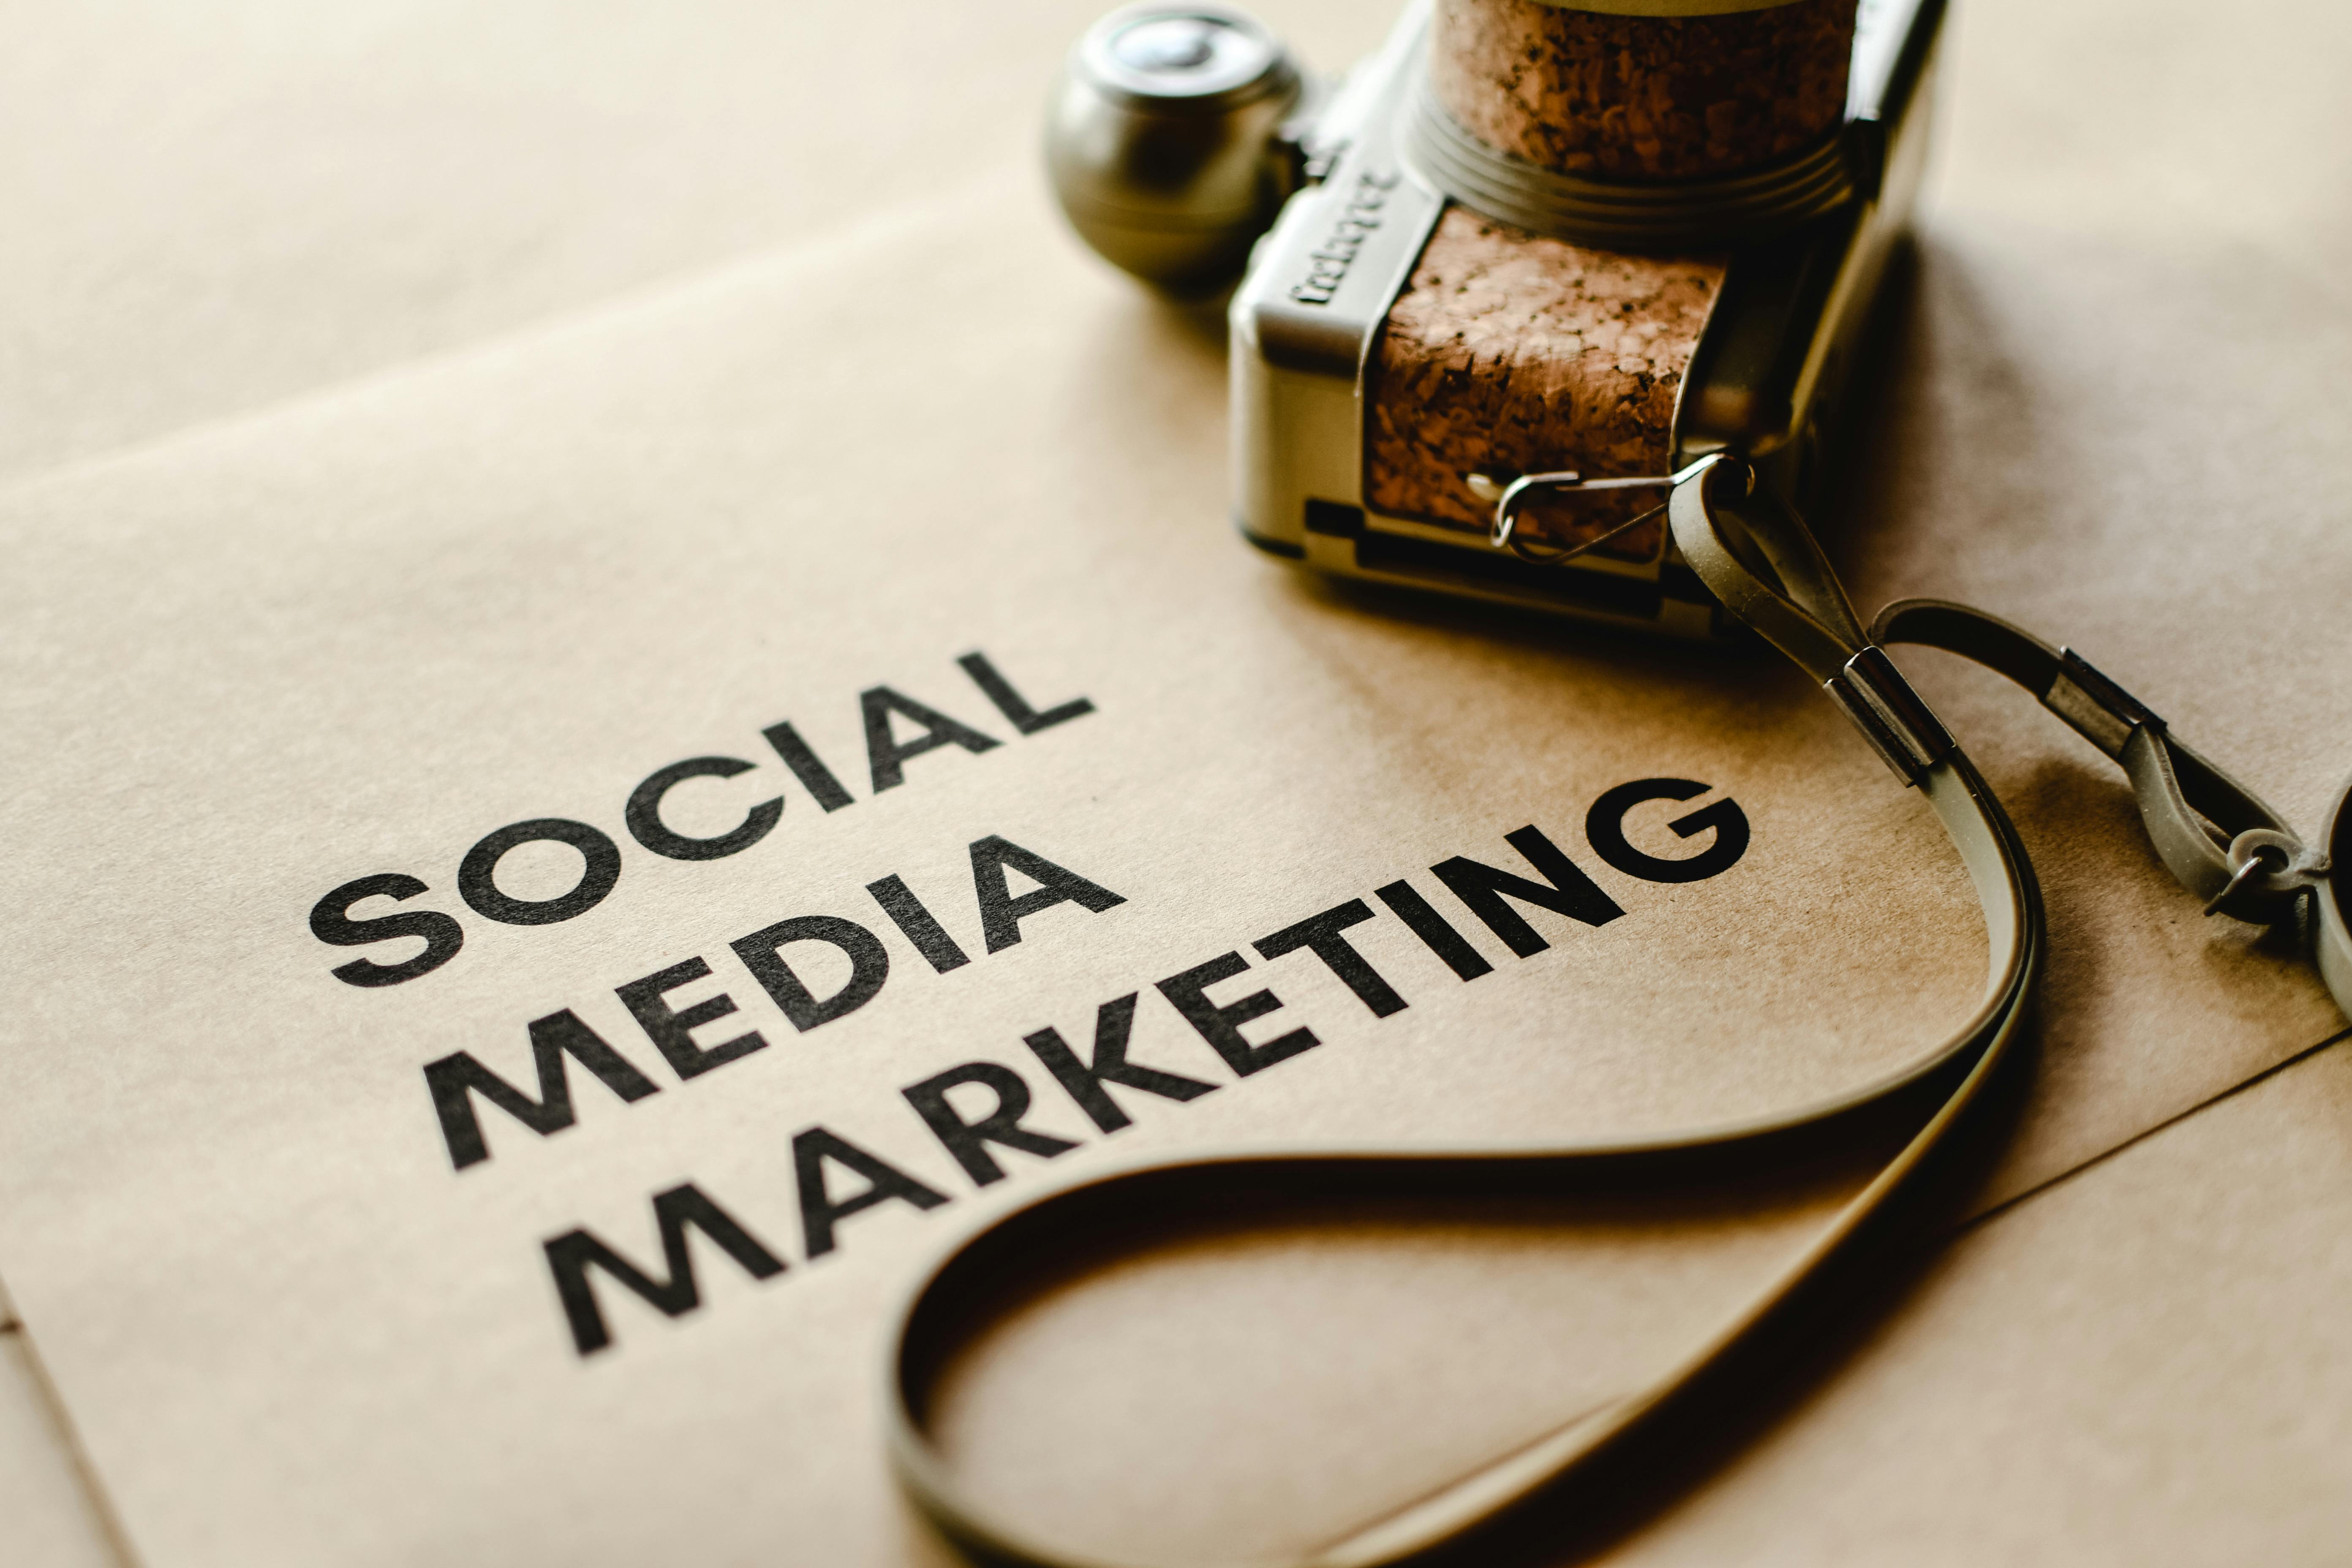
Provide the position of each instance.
(572, 1254)
(808, 767)
(917, 924)
(1604, 830)
(1012, 704)
(1221, 1026)
(455, 1079)
(331, 922)
(887, 757)
(1405, 901)
(1001, 913)
(1320, 935)
(1114, 1023)
(643, 813)
(869, 965)
(819, 1211)
(477, 872)
(969, 1141)
(672, 1031)
(1484, 888)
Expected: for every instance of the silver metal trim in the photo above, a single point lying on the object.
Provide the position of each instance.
(1892, 717)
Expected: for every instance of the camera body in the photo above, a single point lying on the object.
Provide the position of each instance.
(1426, 318)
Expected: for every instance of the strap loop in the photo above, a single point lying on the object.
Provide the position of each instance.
(1766, 567)
(2220, 840)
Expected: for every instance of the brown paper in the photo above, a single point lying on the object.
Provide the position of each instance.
(361, 635)
(46, 1512)
(415, 613)
(220, 209)
(2145, 1364)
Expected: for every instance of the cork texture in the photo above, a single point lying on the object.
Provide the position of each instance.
(1509, 353)
(1642, 98)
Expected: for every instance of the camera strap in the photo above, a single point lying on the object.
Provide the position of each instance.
(2220, 840)
(1762, 561)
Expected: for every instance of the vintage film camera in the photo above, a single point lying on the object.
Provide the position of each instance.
(1601, 239)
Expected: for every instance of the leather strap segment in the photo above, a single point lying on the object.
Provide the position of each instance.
(2219, 839)
(1768, 569)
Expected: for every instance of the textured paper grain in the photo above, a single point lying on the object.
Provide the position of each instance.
(47, 1517)
(219, 206)
(2145, 1364)
(2088, 386)
(361, 637)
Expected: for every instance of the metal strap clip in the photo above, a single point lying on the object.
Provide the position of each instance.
(1891, 716)
(2100, 711)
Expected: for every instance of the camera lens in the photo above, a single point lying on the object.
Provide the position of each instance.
(1162, 141)
(1168, 44)
(1189, 54)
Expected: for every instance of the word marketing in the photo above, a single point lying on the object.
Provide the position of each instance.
(836, 1179)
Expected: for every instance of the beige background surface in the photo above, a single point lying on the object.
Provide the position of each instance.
(515, 586)
(2143, 1364)
(2122, 324)
(226, 205)
(47, 1514)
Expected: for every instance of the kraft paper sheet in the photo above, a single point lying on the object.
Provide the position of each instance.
(356, 636)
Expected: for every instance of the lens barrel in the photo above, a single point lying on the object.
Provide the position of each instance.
(1162, 141)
